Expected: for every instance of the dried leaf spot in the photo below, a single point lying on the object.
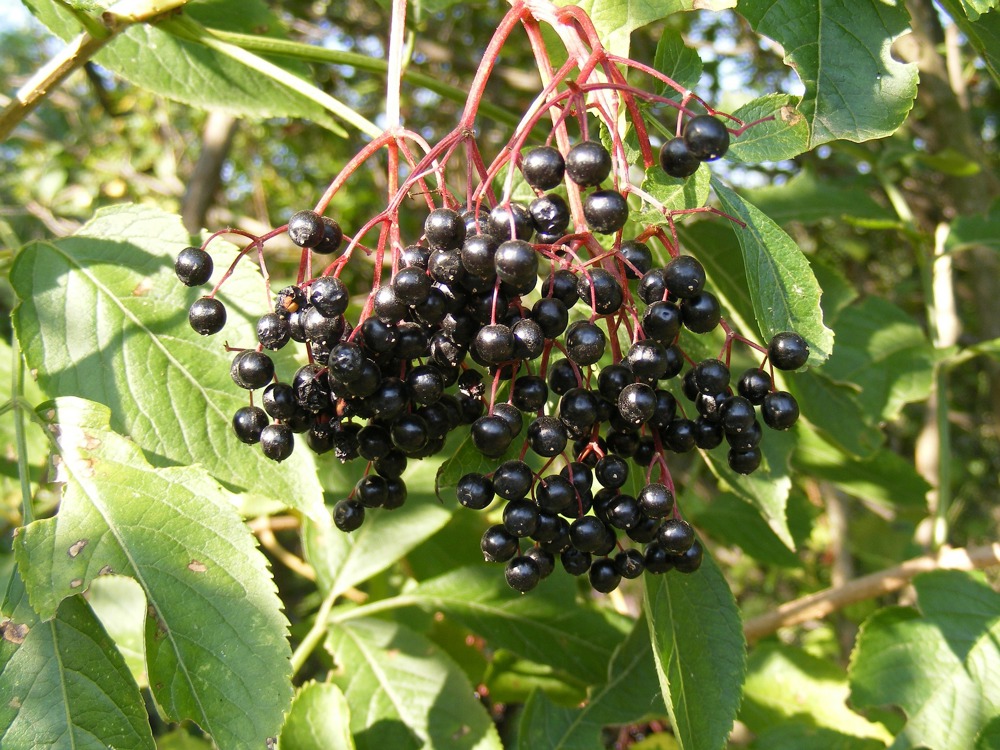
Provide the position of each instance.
(15, 703)
(143, 287)
(90, 442)
(77, 547)
(76, 583)
(87, 467)
(50, 414)
(13, 632)
(105, 571)
(462, 731)
(790, 115)
(197, 567)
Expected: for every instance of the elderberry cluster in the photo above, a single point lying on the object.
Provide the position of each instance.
(510, 322)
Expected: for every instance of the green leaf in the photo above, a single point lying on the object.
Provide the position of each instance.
(983, 33)
(786, 684)
(885, 354)
(551, 627)
(807, 199)
(65, 684)
(989, 738)
(319, 719)
(187, 71)
(854, 89)
(615, 20)
(629, 695)
(214, 628)
(677, 61)
(939, 663)
(404, 692)
(345, 560)
(884, 478)
(673, 194)
(784, 137)
(767, 488)
(124, 341)
(181, 740)
(799, 734)
(731, 520)
(120, 605)
(975, 8)
(700, 652)
(975, 230)
(833, 408)
(783, 288)
(464, 460)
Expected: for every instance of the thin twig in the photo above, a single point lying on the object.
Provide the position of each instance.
(823, 603)
(294, 563)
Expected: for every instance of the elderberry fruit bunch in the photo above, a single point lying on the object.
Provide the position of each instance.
(554, 340)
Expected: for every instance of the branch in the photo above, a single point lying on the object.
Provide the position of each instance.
(822, 603)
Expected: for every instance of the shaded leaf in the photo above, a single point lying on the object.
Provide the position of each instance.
(833, 408)
(782, 286)
(549, 627)
(989, 738)
(884, 478)
(786, 684)
(768, 487)
(939, 663)
(464, 460)
(103, 317)
(854, 89)
(120, 605)
(629, 695)
(673, 193)
(885, 353)
(319, 719)
(983, 33)
(802, 735)
(186, 71)
(784, 137)
(975, 230)
(214, 629)
(64, 682)
(731, 520)
(807, 199)
(677, 61)
(404, 692)
(345, 560)
(700, 652)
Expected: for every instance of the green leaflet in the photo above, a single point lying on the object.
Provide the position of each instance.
(855, 90)
(404, 692)
(700, 653)
(63, 680)
(939, 663)
(102, 316)
(214, 630)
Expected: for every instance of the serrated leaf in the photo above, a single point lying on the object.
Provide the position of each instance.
(404, 692)
(854, 89)
(550, 627)
(784, 137)
(730, 520)
(939, 663)
(801, 735)
(677, 61)
(673, 194)
(319, 719)
(768, 487)
(884, 478)
(186, 71)
(809, 200)
(783, 289)
(885, 353)
(629, 695)
(65, 684)
(833, 408)
(214, 629)
(700, 652)
(615, 20)
(102, 316)
(786, 684)
(345, 560)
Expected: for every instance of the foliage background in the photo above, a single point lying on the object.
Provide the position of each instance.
(899, 456)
